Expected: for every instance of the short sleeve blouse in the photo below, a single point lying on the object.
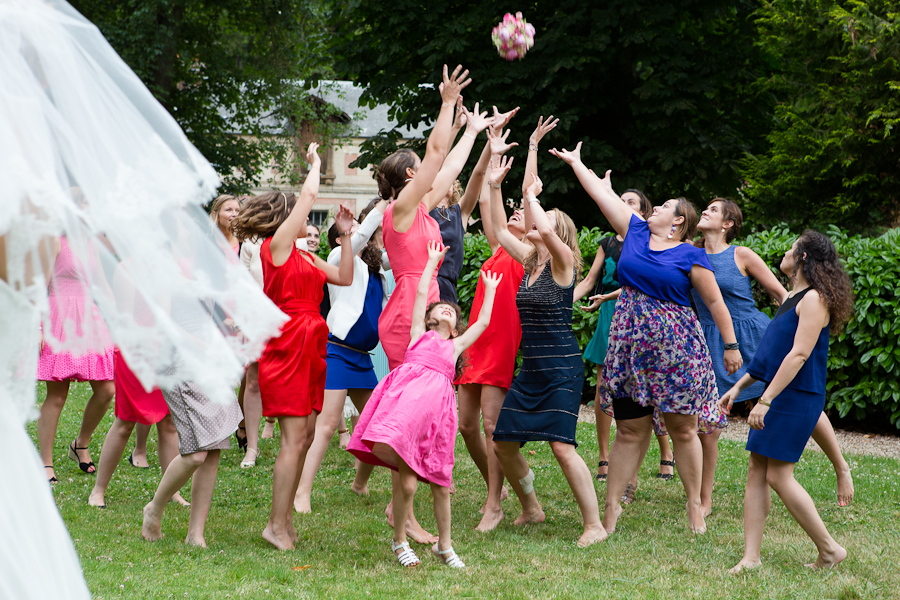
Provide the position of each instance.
(661, 274)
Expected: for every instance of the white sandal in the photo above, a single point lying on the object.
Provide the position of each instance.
(449, 556)
(407, 558)
(250, 463)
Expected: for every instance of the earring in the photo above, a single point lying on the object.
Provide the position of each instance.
(723, 230)
(671, 233)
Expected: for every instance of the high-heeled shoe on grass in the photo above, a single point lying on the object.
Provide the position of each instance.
(242, 441)
(84, 466)
(666, 476)
(602, 476)
(53, 479)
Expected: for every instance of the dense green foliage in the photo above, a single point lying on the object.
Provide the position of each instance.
(863, 361)
(832, 154)
(660, 92)
(228, 71)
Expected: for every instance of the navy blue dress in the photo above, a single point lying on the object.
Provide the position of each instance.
(543, 401)
(349, 364)
(795, 411)
(452, 232)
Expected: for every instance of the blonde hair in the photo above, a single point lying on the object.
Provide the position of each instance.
(217, 205)
(568, 233)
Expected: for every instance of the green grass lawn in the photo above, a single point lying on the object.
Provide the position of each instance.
(344, 548)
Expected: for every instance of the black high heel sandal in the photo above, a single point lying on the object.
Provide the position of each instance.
(241, 441)
(602, 476)
(53, 479)
(666, 476)
(73, 454)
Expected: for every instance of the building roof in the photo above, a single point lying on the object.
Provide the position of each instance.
(365, 122)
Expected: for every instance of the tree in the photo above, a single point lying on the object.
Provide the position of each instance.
(832, 155)
(656, 90)
(231, 72)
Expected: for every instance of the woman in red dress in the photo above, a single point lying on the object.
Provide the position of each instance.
(292, 367)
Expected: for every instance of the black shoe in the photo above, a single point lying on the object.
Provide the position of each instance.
(666, 476)
(53, 479)
(241, 441)
(131, 462)
(602, 463)
(84, 466)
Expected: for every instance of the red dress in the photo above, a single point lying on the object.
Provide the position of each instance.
(292, 367)
(133, 403)
(492, 358)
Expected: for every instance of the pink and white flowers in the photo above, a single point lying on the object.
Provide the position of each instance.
(513, 36)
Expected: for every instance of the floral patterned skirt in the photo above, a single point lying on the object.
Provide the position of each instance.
(658, 357)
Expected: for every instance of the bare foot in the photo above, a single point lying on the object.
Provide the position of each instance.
(389, 513)
(97, 499)
(696, 519)
(829, 560)
(268, 430)
(530, 516)
(745, 565)
(302, 504)
(359, 491)
(504, 493)
(490, 520)
(452, 487)
(179, 499)
(592, 535)
(418, 533)
(707, 510)
(151, 529)
(282, 542)
(195, 540)
(343, 439)
(292, 531)
(611, 517)
(844, 485)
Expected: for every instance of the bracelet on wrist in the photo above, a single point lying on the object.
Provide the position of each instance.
(343, 233)
(468, 135)
(764, 403)
(447, 104)
(734, 346)
(496, 186)
(534, 199)
(532, 147)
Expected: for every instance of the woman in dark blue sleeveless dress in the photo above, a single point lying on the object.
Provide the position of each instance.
(543, 400)
(792, 360)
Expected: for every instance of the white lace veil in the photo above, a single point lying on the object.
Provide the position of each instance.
(89, 160)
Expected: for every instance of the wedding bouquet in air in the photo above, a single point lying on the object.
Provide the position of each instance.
(513, 36)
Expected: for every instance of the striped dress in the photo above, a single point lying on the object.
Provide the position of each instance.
(543, 401)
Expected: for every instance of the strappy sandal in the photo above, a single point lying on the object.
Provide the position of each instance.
(602, 476)
(73, 454)
(250, 463)
(666, 476)
(628, 496)
(407, 558)
(241, 441)
(344, 438)
(53, 479)
(448, 556)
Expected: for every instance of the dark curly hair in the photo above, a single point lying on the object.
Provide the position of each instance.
(430, 324)
(261, 215)
(823, 270)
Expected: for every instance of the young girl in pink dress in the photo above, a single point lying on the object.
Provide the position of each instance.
(409, 423)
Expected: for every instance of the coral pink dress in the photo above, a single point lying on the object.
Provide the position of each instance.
(413, 411)
(71, 311)
(292, 367)
(492, 358)
(408, 253)
(133, 403)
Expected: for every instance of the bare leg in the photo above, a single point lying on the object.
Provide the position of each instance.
(167, 449)
(780, 476)
(94, 411)
(491, 402)
(404, 488)
(180, 469)
(604, 424)
(441, 499)
(824, 436)
(284, 480)
(516, 467)
(57, 392)
(326, 425)
(413, 528)
(113, 448)
(710, 445)
(201, 498)
(632, 436)
(360, 483)
(579, 477)
(269, 429)
(757, 501)
(689, 455)
(139, 456)
(665, 453)
(631, 488)
(469, 397)
(252, 408)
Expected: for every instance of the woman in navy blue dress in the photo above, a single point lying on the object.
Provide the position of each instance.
(792, 359)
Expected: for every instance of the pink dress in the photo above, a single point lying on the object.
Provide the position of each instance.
(408, 253)
(70, 309)
(413, 411)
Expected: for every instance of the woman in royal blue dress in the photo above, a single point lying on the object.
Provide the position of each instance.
(792, 359)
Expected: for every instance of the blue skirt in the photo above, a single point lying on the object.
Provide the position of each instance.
(748, 333)
(787, 426)
(348, 370)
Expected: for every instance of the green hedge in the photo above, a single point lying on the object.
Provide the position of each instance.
(863, 361)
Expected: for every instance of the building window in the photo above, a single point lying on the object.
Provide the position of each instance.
(318, 217)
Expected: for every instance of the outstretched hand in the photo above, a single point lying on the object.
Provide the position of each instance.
(459, 121)
(537, 186)
(490, 279)
(498, 142)
(451, 86)
(543, 128)
(476, 121)
(312, 155)
(568, 157)
(344, 219)
(436, 251)
(501, 119)
(726, 401)
(500, 166)
(596, 302)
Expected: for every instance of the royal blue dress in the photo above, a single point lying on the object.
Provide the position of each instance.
(749, 323)
(348, 363)
(795, 411)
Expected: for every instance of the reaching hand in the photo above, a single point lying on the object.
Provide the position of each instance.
(476, 121)
(733, 361)
(570, 158)
(534, 190)
(500, 166)
(726, 401)
(490, 279)
(451, 86)
(436, 251)
(460, 120)
(498, 142)
(543, 128)
(312, 155)
(344, 219)
(757, 416)
(501, 119)
(596, 302)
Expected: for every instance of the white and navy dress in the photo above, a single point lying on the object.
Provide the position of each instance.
(543, 401)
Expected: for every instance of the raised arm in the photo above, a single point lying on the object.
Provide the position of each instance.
(343, 273)
(616, 212)
(491, 281)
(436, 252)
(563, 261)
(531, 163)
(368, 227)
(756, 268)
(283, 241)
(515, 247)
(704, 281)
(587, 284)
(487, 221)
(436, 150)
(474, 186)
